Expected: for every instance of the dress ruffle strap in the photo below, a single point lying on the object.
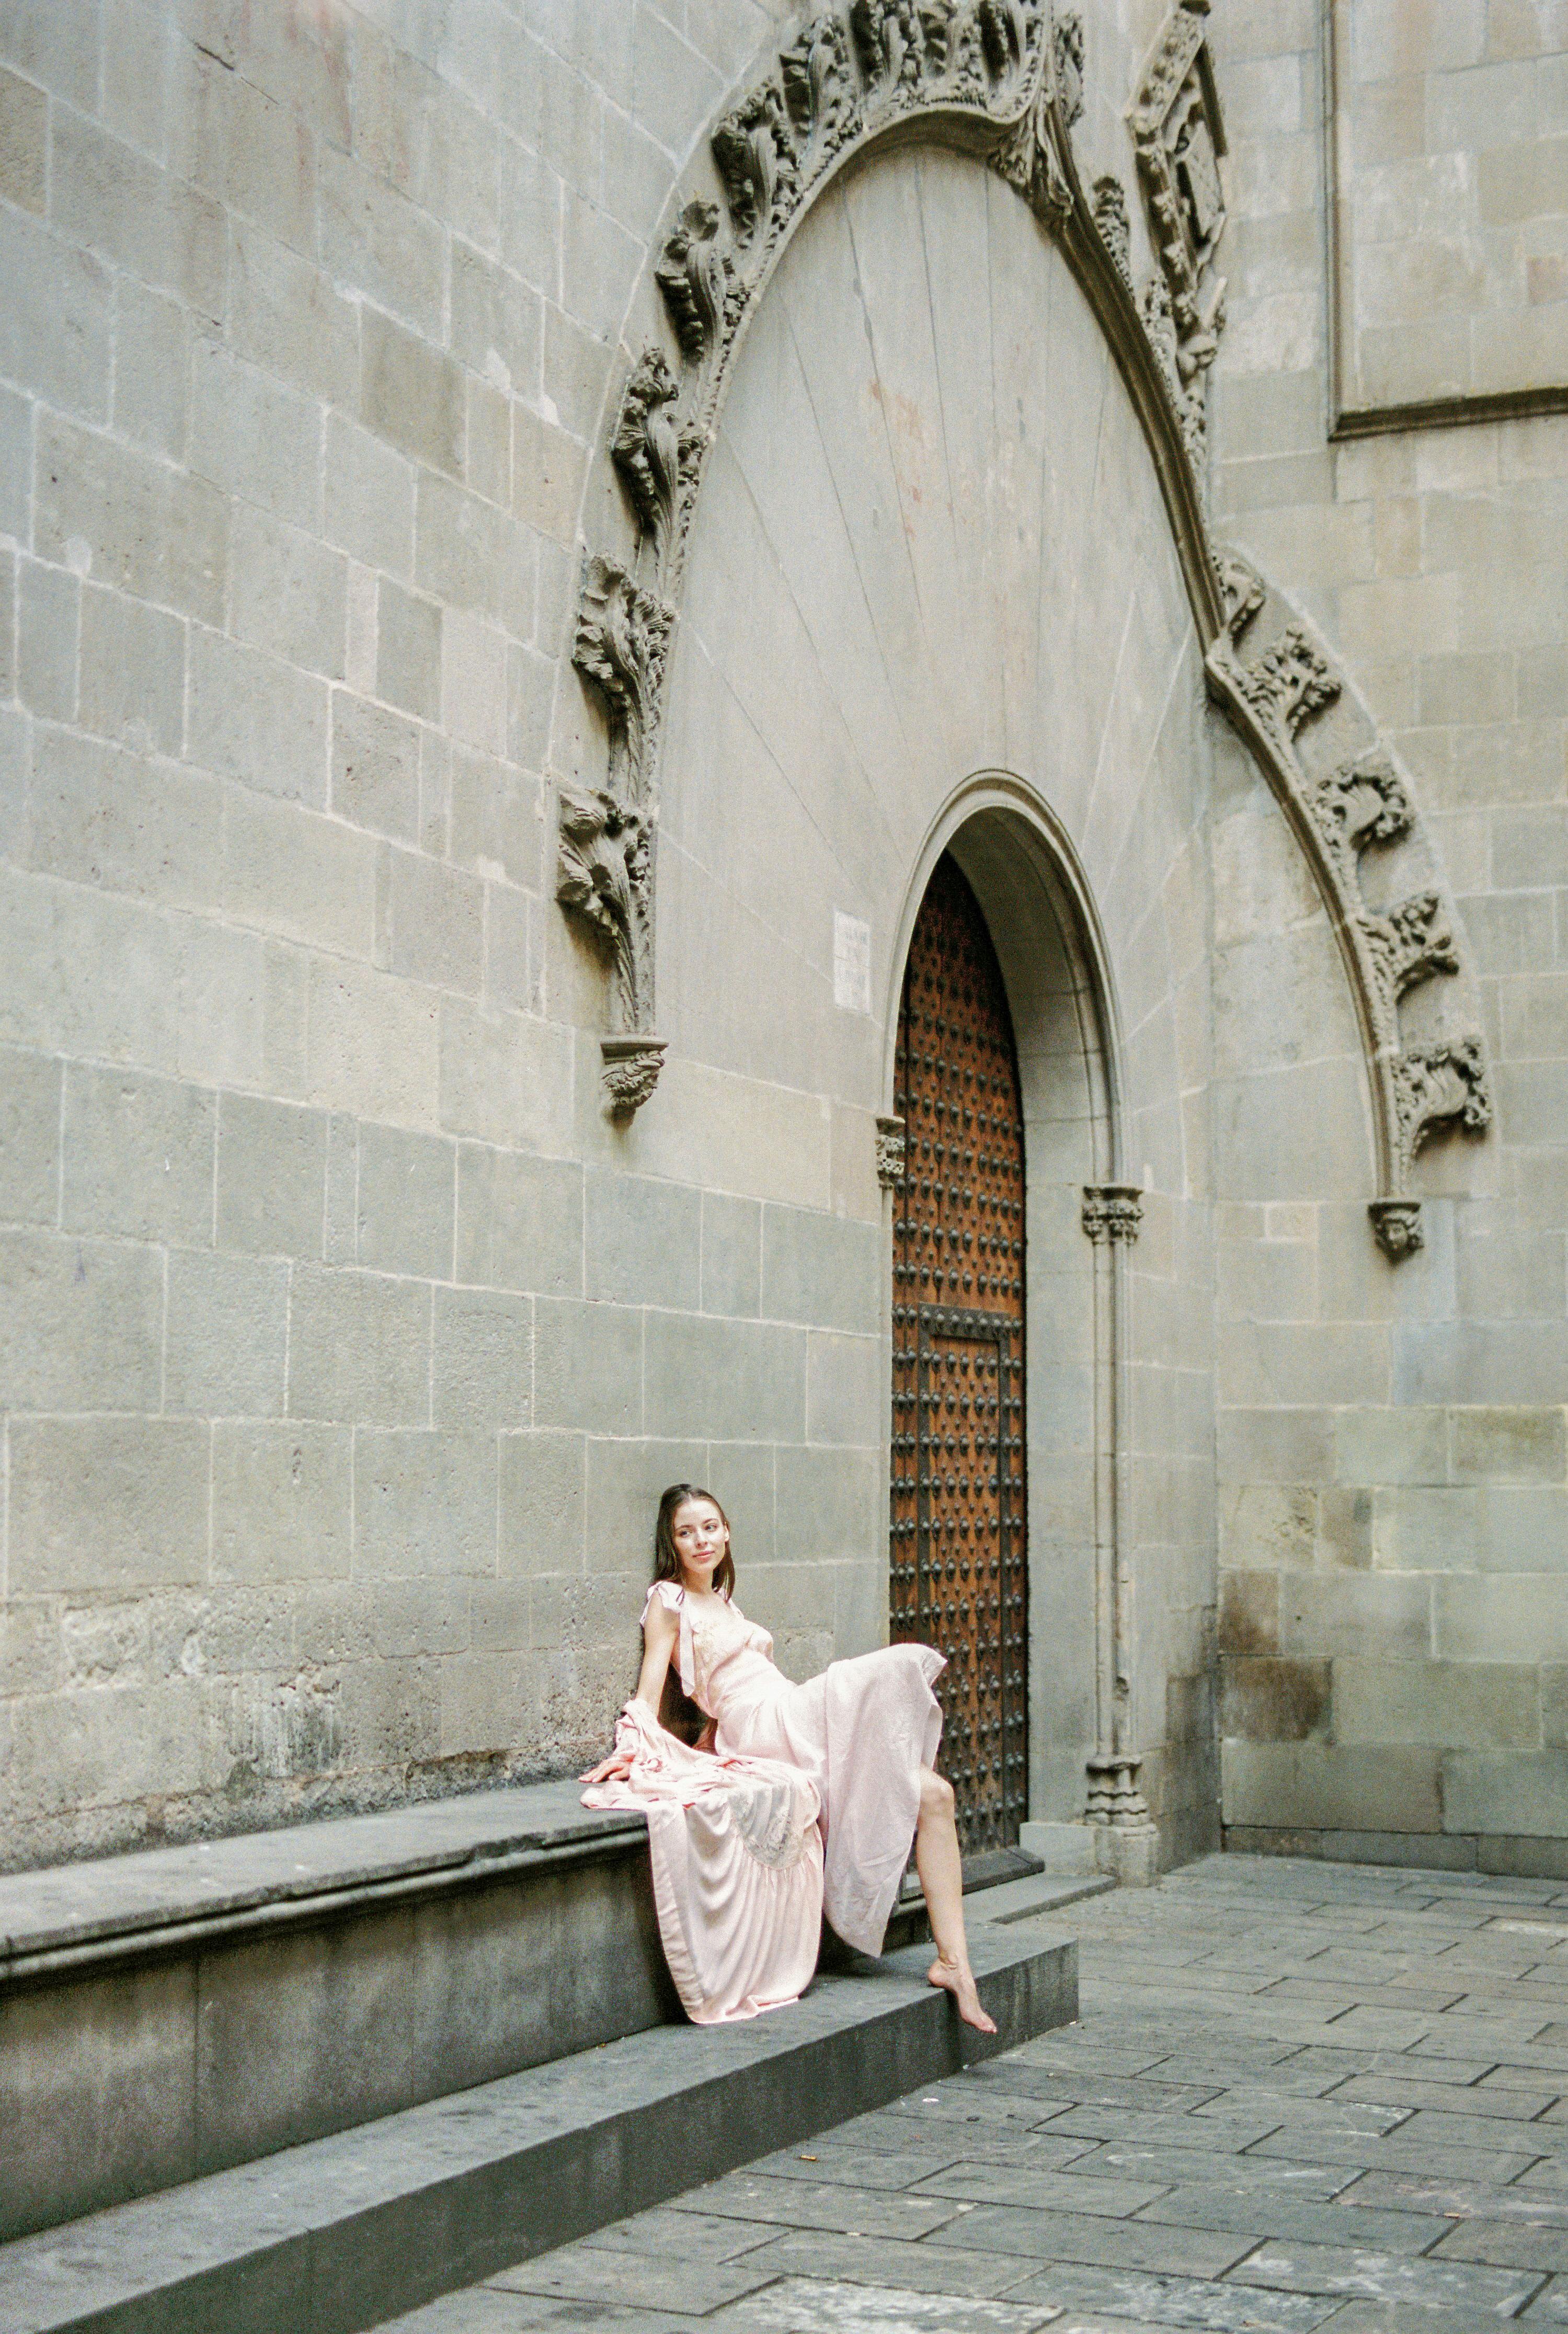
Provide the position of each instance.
(672, 1596)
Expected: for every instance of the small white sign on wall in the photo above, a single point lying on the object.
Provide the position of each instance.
(852, 963)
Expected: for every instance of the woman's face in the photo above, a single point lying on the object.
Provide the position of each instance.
(700, 1540)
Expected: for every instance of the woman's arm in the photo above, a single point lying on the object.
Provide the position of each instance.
(658, 1634)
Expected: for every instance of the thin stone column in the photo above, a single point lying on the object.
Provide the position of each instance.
(1127, 1840)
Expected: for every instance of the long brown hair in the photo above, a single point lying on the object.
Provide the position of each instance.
(667, 1556)
(677, 1713)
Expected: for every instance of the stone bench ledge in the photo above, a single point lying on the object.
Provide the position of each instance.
(120, 1905)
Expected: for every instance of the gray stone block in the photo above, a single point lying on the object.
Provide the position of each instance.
(826, 1270)
(115, 1503)
(731, 1255)
(642, 1241)
(29, 1137)
(728, 1381)
(407, 650)
(130, 684)
(359, 1349)
(588, 1366)
(482, 1371)
(255, 718)
(830, 1502)
(542, 1503)
(225, 1342)
(407, 1201)
(1382, 1787)
(411, 393)
(282, 1503)
(424, 1503)
(519, 1221)
(375, 767)
(111, 2097)
(139, 1156)
(271, 1177)
(846, 1389)
(81, 1323)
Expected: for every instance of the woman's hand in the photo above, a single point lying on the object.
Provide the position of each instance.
(616, 1769)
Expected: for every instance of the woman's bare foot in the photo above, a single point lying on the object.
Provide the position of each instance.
(954, 1978)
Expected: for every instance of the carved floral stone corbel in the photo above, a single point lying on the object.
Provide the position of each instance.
(892, 1149)
(1113, 1211)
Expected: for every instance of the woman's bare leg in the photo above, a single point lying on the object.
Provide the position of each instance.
(937, 1862)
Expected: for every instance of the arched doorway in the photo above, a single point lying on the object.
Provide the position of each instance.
(959, 1568)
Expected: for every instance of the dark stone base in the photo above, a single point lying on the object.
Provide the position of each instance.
(344, 2232)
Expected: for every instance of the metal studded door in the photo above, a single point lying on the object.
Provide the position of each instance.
(959, 1573)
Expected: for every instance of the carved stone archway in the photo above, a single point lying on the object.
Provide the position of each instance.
(1003, 79)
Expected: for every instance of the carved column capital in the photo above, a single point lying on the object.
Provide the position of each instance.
(1113, 1211)
(892, 1144)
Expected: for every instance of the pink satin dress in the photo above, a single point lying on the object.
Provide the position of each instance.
(838, 1759)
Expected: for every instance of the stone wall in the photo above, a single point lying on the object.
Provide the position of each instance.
(346, 1337)
(1392, 1494)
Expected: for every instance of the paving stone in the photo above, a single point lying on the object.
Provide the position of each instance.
(861, 2168)
(1057, 2192)
(1167, 2301)
(1387, 2277)
(1238, 2174)
(1510, 2244)
(1280, 2215)
(1103, 2243)
(666, 2232)
(801, 2305)
(804, 2204)
(1460, 2199)
(884, 2261)
(593, 2273)
(983, 2142)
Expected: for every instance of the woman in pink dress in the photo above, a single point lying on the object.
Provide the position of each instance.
(796, 1796)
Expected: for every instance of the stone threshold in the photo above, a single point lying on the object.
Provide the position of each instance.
(161, 1900)
(341, 2233)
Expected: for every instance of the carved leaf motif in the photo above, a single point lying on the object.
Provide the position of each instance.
(1242, 589)
(694, 276)
(1410, 943)
(1027, 160)
(645, 448)
(1360, 803)
(820, 89)
(1178, 139)
(1114, 227)
(1440, 1084)
(1068, 39)
(754, 147)
(622, 637)
(1287, 685)
(603, 868)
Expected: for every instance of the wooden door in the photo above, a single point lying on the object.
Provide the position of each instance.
(959, 1563)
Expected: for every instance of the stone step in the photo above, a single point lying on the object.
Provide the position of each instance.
(343, 2232)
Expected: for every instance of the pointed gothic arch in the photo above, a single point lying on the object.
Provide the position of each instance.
(1002, 81)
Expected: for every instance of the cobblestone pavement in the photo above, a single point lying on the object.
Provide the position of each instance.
(1301, 2096)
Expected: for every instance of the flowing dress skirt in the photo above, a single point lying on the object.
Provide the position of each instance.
(737, 1869)
(861, 1732)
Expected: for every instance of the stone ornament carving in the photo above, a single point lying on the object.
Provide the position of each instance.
(892, 1145)
(1179, 137)
(1113, 1211)
(855, 69)
(1010, 74)
(1287, 685)
(1362, 803)
(1440, 1084)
